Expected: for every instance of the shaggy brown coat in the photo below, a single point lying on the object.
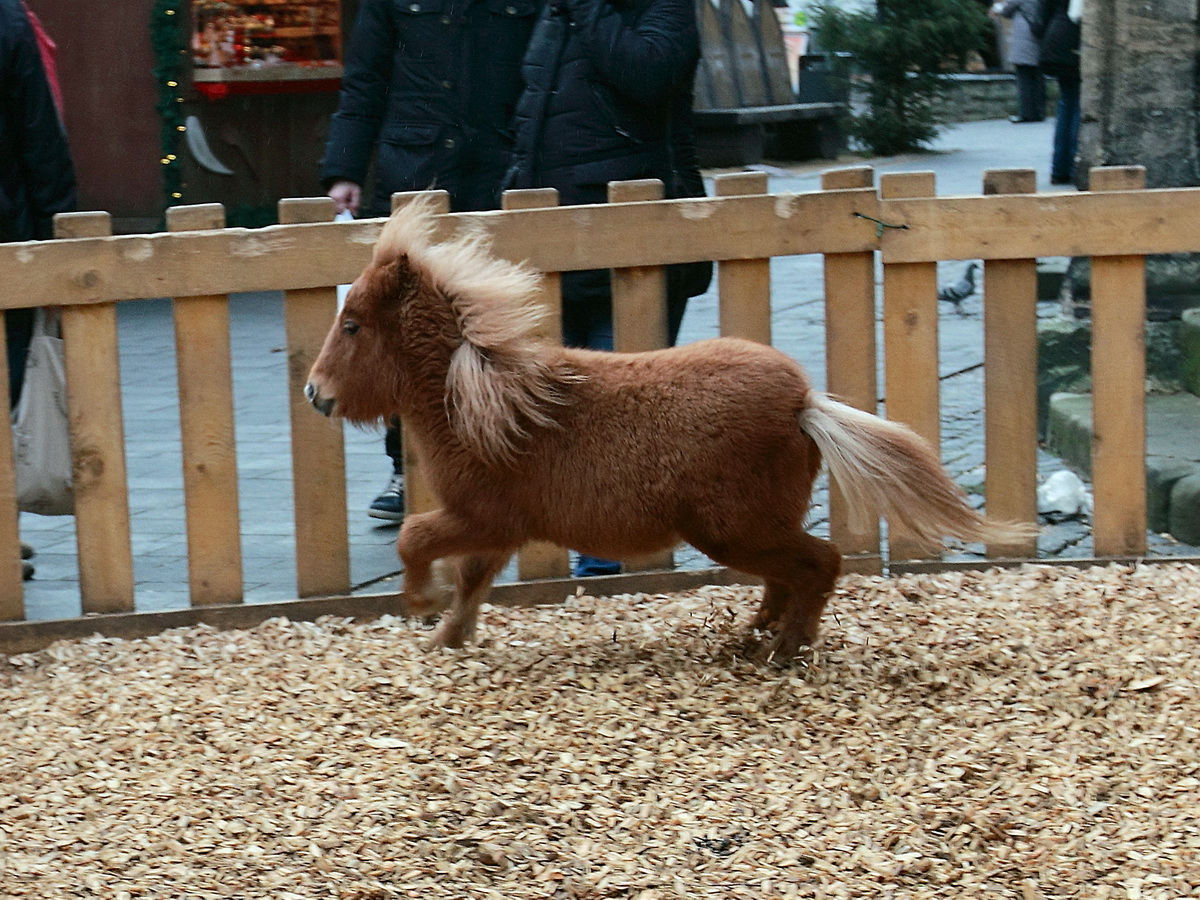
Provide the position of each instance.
(716, 443)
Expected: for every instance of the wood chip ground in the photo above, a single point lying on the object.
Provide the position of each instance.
(1025, 733)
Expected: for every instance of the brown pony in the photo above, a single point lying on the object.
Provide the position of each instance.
(716, 443)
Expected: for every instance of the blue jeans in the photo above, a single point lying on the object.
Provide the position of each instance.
(1066, 130)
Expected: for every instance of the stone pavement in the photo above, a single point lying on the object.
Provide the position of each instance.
(961, 157)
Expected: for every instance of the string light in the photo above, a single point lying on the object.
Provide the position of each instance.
(170, 58)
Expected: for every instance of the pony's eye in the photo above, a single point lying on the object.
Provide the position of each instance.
(350, 326)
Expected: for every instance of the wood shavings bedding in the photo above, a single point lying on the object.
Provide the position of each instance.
(1021, 733)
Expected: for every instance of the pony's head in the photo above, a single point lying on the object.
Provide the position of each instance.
(446, 317)
(356, 375)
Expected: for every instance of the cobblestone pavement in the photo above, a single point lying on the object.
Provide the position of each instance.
(152, 425)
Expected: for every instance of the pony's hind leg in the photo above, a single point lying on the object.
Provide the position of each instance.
(799, 572)
(775, 600)
(473, 581)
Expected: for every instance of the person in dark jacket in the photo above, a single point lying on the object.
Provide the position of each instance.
(37, 177)
(429, 90)
(36, 173)
(608, 97)
(1060, 60)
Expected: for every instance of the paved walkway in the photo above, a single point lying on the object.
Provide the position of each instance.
(152, 426)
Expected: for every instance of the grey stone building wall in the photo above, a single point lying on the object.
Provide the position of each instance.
(1139, 68)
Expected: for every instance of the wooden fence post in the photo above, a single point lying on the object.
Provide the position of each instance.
(639, 314)
(541, 559)
(1119, 387)
(12, 589)
(639, 294)
(1010, 378)
(910, 337)
(206, 422)
(92, 356)
(850, 361)
(318, 444)
(744, 285)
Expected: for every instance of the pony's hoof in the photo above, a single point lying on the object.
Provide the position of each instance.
(764, 621)
(784, 647)
(435, 595)
(451, 635)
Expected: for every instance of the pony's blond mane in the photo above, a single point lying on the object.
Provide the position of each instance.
(500, 383)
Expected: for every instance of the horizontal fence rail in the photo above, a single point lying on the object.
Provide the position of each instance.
(851, 222)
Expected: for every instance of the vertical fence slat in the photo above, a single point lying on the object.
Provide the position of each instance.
(744, 285)
(12, 588)
(910, 337)
(206, 421)
(541, 559)
(1010, 378)
(851, 371)
(639, 294)
(418, 495)
(639, 314)
(318, 445)
(92, 360)
(1119, 388)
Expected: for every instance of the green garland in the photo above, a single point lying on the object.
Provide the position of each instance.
(168, 40)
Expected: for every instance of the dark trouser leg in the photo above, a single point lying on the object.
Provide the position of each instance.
(1066, 131)
(1031, 92)
(18, 331)
(389, 505)
(393, 447)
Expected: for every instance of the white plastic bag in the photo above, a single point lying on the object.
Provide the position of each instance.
(1064, 496)
(41, 438)
(343, 289)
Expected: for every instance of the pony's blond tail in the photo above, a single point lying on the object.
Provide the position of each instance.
(885, 467)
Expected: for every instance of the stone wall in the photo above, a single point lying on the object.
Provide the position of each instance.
(989, 95)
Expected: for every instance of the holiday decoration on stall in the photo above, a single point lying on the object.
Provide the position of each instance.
(168, 40)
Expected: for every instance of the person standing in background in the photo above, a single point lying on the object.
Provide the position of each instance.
(37, 176)
(430, 87)
(1024, 53)
(608, 97)
(1060, 60)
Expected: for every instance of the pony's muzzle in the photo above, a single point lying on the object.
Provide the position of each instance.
(323, 405)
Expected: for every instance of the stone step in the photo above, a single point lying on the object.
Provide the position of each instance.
(1172, 455)
(1189, 348)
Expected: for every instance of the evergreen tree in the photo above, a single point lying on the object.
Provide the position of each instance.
(904, 49)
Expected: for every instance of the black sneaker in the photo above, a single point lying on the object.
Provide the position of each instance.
(389, 504)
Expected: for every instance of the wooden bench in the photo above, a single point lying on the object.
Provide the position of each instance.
(746, 105)
(737, 137)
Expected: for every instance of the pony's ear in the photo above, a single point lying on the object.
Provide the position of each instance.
(394, 281)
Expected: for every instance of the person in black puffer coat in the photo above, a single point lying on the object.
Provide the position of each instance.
(429, 89)
(608, 97)
(37, 177)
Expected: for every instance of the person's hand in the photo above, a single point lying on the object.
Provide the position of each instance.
(346, 196)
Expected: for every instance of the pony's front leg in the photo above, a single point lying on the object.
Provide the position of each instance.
(428, 537)
(473, 581)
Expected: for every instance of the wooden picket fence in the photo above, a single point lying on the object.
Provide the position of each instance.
(850, 221)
